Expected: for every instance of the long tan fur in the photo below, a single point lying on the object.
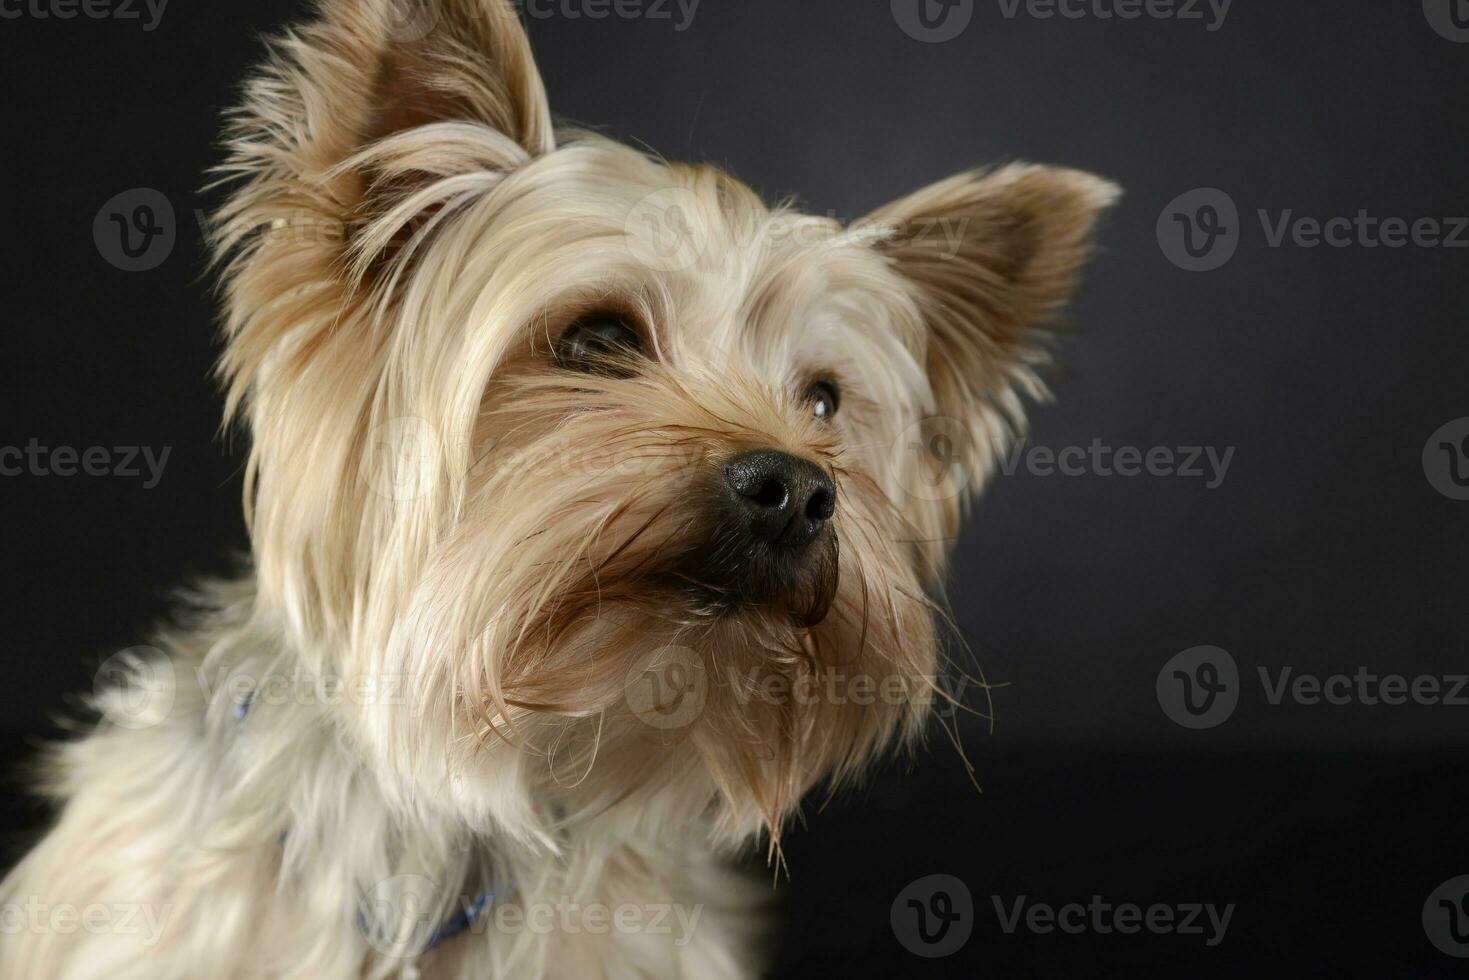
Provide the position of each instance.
(465, 559)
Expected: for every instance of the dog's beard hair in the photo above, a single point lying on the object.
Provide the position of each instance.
(535, 542)
(573, 565)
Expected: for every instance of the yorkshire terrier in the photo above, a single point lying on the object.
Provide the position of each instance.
(593, 525)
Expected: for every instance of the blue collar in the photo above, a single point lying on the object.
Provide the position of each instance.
(453, 926)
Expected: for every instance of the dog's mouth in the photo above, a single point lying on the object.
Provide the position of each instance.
(722, 581)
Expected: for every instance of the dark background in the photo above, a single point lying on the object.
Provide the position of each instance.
(1326, 549)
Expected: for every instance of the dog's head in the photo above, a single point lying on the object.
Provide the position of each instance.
(602, 465)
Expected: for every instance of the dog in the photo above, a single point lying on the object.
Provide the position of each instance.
(593, 525)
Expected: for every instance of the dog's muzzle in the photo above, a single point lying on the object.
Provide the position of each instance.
(772, 545)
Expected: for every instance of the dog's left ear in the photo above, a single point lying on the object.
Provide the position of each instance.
(990, 258)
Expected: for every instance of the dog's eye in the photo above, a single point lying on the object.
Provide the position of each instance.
(601, 342)
(825, 398)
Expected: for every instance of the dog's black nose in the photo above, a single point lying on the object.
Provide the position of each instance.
(784, 500)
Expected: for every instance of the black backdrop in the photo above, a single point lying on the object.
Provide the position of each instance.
(1328, 548)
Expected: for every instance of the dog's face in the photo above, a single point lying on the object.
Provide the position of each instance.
(601, 466)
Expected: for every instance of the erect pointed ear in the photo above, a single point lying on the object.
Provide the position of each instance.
(359, 141)
(361, 132)
(446, 61)
(990, 258)
(368, 70)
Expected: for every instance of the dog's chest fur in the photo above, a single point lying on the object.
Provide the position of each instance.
(243, 831)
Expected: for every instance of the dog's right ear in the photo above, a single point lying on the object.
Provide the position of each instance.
(358, 143)
(360, 131)
(445, 61)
